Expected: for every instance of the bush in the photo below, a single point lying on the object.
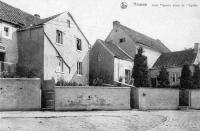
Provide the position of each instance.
(140, 70)
(186, 77)
(24, 71)
(6, 74)
(196, 78)
(62, 82)
(97, 82)
(163, 78)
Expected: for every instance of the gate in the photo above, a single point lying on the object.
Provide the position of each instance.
(48, 95)
(183, 97)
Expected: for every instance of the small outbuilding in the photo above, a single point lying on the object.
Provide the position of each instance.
(110, 63)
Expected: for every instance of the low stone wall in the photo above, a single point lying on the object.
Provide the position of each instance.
(195, 98)
(158, 98)
(20, 94)
(92, 98)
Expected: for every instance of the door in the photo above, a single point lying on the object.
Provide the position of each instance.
(184, 97)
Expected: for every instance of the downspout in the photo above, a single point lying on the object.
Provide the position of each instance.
(57, 51)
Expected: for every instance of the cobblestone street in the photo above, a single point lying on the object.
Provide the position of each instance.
(101, 121)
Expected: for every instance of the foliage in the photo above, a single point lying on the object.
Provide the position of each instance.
(196, 77)
(27, 72)
(140, 70)
(97, 82)
(62, 82)
(6, 74)
(163, 78)
(186, 77)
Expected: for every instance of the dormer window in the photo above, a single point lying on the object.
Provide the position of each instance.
(68, 23)
(59, 37)
(121, 40)
(78, 44)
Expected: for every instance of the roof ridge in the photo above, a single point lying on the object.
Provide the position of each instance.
(122, 50)
(153, 41)
(178, 51)
(16, 8)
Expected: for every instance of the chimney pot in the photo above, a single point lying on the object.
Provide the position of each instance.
(196, 47)
(37, 15)
(116, 23)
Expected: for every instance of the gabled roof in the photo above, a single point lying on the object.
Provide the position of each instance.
(115, 50)
(178, 58)
(45, 20)
(16, 16)
(142, 39)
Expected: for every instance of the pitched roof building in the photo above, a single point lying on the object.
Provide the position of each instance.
(16, 16)
(130, 40)
(177, 58)
(174, 61)
(109, 63)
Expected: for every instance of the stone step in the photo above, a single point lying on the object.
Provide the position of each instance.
(183, 107)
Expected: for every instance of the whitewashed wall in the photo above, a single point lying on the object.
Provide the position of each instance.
(119, 68)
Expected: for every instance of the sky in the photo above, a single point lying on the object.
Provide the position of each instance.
(177, 27)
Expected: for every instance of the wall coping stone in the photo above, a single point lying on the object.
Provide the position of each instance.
(20, 79)
(93, 87)
(158, 88)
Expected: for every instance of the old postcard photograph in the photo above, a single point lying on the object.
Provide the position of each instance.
(99, 65)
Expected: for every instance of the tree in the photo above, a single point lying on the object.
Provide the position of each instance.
(140, 70)
(196, 77)
(186, 77)
(163, 78)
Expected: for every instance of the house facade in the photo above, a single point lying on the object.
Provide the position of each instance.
(109, 63)
(54, 47)
(130, 40)
(11, 19)
(173, 62)
(57, 48)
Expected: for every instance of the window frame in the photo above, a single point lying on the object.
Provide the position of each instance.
(59, 39)
(78, 47)
(174, 77)
(60, 66)
(79, 68)
(122, 40)
(129, 75)
(69, 23)
(7, 35)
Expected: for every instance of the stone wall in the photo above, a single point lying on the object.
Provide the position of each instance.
(92, 98)
(158, 98)
(195, 99)
(20, 94)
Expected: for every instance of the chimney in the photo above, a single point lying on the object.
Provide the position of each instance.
(196, 47)
(37, 16)
(116, 23)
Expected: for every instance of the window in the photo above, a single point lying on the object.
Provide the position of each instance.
(78, 44)
(60, 65)
(79, 68)
(68, 23)
(174, 77)
(127, 75)
(122, 40)
(59, 37)
(6, 31)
